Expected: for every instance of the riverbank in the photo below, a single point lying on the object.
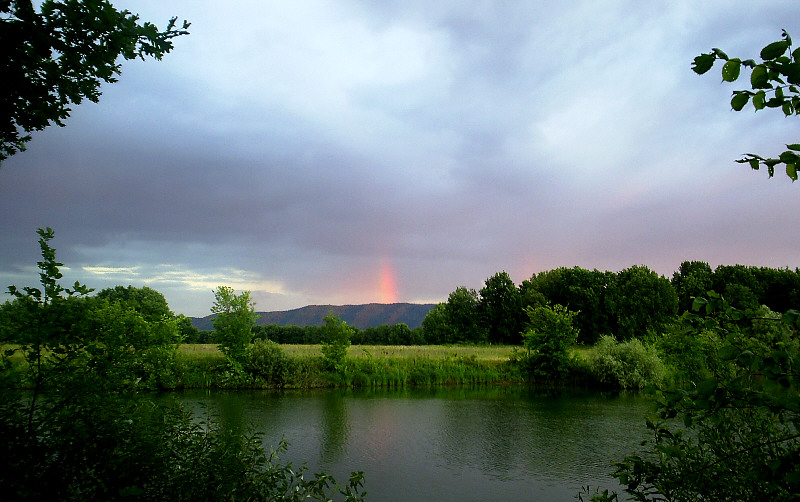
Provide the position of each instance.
(279, 366)
(302, 366)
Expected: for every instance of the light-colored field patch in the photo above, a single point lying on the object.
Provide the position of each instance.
(482, 353)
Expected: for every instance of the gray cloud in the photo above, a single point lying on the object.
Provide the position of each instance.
(305, 150)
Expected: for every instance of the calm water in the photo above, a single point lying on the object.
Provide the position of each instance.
(446, 444)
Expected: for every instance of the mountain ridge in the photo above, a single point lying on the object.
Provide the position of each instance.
(367, 315)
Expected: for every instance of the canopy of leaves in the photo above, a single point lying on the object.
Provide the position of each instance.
(236, 316)
(147, 301)
(774, 82)
(60, 55)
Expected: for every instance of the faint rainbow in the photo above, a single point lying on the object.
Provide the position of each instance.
(388, 282)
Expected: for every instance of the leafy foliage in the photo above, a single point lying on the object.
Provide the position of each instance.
(774, 83)
(435, 325)
(236, 316)
(62, 54)
(110, 447)
(586, 292)
(628, 365)
(500, 310)
(643, 302)
(267, 361)
(693, 278)
(547, 341)
(335, 340)
(84, 433)
(147, 301)
(690, 355)
(739, 432)
(461, 312)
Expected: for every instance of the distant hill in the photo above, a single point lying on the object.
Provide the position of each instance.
(359, 316)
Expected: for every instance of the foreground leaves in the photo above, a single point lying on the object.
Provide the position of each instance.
(773, 84)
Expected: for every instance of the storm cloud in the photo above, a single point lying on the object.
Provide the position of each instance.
(349, 152)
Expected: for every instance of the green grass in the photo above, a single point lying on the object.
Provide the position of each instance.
(204, 366)
(439, 352)
(366, 366)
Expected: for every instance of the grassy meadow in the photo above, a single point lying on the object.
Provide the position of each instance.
(302, 366)
(493, 353)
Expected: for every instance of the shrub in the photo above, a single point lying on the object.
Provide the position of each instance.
(335, 340)
(234, 323)
(547, 341)
(690, 356)
(266, 359)
(629, 365)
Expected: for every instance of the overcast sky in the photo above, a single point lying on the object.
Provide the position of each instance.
(350, 152)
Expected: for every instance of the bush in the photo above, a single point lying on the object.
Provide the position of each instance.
(690, 356)
(629, 365)
(547, 341)
(335, 341)
(266, 360)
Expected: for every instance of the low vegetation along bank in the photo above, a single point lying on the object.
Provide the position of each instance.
(269, 365)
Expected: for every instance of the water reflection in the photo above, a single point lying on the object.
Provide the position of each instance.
(446, 444)
(335, 427)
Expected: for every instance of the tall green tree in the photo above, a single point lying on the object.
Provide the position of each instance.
(547, 341)
(435, 325)
(774, 83)
(643, 302)
(500, 310)
(583, 291)
(146, 301)
(60, 54)
(335, 341)
(780, 288)
(461, 310)
(693, 278)
(233, 326)
(739, 285)
(47, 323)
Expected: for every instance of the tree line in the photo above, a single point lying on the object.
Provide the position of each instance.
(628, 304)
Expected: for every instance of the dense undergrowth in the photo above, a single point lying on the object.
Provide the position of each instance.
(609, 364)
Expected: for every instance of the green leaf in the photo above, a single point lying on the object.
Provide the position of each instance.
(791, 317)
(698, 303)
(789, 157)
(754, 164)
(792, 72)
(728, 353)
(759, 100)
(707, 386)
(794, 146)
(774, 102)
(787, 108)
(774, 50)
(731, 69)
(718, 53)
(740, 98)
(703, 63)
(758, 78)
(791, 171)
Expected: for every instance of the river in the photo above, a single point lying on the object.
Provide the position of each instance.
(445, 444)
